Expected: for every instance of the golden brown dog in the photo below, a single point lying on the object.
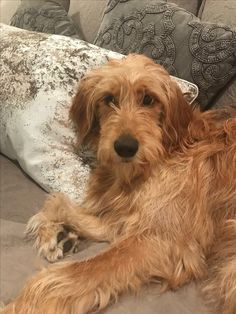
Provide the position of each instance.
(163, 193)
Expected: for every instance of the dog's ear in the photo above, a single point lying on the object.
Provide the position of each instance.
(177, 116)
(177, 112)
(83, 111)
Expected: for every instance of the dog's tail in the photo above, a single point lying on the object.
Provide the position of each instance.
(220, 287)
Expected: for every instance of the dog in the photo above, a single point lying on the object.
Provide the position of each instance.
(163, 194)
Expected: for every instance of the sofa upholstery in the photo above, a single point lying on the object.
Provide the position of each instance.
(20, 197)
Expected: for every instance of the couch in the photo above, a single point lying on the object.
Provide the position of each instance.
(21, 197)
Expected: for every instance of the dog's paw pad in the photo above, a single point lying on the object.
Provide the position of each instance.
(54, 241)
(68, 240)
(61, 235)
(67, 246)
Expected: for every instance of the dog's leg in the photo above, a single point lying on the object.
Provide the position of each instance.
(59, 227)
(220, 287)
(80, 287)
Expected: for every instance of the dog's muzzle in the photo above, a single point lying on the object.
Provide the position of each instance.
(126, 146)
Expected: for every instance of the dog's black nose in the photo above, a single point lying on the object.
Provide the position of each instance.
(126, 146)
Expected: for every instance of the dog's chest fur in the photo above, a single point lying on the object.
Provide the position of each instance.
(160, 203)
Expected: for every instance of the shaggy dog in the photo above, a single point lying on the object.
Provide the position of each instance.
(163, 194)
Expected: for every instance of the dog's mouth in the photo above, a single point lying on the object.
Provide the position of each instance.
(126, 160)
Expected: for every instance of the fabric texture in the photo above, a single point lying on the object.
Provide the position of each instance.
(223, 12)
(227, 96)
(189, 5)
(216, 11)
(199, 52)
(87, 14)
(39, 77)
(46, 16)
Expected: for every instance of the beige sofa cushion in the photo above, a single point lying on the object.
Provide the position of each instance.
(219, 11)
(7, 9)
(189, 5)
(87, 14)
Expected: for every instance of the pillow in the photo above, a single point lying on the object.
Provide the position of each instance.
(39, 76)
(46, 16)
(201, 53)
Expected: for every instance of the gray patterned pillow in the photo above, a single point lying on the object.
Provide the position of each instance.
(202, 53)
(46, 16)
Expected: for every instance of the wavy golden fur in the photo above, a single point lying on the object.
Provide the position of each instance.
(165, 197)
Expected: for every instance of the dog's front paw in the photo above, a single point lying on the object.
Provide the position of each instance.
(53, 240)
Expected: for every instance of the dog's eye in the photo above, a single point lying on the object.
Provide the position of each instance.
(147, 100)
(109, 99)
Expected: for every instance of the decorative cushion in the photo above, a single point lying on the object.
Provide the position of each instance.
(201, 53)
(39, 76)
(46, 16)
(227, 96)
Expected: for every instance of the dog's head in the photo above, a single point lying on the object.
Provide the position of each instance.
(132, 111)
